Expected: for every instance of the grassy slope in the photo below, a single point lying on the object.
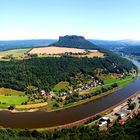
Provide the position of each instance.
(15, 52)
(61, 85)
(17, 100)
(15, 97)
(4, 91)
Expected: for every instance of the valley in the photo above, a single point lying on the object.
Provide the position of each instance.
(69, 70)
(60, 76)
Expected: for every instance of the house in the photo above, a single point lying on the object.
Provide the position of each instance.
(120, 114)
(49, 97)
(103, 123)
(122, 122)
(104, 118)
(63, 94)
(42, 92)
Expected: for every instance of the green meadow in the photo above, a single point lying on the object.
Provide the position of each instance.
(10, 96)
(14, 52)
(62, 85)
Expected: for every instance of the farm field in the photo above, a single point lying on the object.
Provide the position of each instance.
(7, 91)
(57, 51)
(31, 106)
(10, 96)
(91, 54)
(17, 100)
(96, 53)
(14, 53)
(13, 97)
(19, 54)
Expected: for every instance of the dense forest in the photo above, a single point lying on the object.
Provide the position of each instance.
(44, 73)
(131, 50)
(129, 131)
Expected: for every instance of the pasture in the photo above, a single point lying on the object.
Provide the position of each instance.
(14, 52)
(8, 100)
(7, 91)
(62, 86)
(10, 96)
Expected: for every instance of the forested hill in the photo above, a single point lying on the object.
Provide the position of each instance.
(44, 73)
(131, 50)
(74, 41)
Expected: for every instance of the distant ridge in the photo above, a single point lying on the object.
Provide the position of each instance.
(20, 44)
(73, 41)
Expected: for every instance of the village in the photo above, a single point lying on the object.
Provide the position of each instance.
(64, 93)
(123, 112)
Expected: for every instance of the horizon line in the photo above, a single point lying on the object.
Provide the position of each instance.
(26, 39)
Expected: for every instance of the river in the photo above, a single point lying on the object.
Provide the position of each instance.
(42, 119)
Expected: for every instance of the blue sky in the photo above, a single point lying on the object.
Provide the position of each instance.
(96, 19)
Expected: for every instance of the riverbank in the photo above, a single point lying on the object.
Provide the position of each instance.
(93, 98)
(42, 119)
(79, 122)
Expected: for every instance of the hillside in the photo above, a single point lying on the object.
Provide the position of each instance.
(74, 41)
(130, 47)
(131, 50)
(116, 45)
(46, 72)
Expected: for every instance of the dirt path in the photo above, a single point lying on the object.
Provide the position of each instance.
(31, 106)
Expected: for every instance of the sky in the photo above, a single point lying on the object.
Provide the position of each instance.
(49, 19)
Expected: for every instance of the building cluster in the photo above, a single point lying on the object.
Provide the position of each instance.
(95, 83)
(43, 94)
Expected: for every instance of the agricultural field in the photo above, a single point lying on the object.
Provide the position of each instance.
(91, 54)
(55, 50)
(17, 100)
(52, 51)
(58, 51)
(9, 97)
(94, 53)
(29, 106)
(14, 53)
(7, 91)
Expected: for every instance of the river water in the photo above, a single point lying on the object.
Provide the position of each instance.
(41, 119)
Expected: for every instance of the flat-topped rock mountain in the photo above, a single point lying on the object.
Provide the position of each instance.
(73, 41)
(71, 37)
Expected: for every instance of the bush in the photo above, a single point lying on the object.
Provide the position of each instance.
(56, 105)
(12, 107)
